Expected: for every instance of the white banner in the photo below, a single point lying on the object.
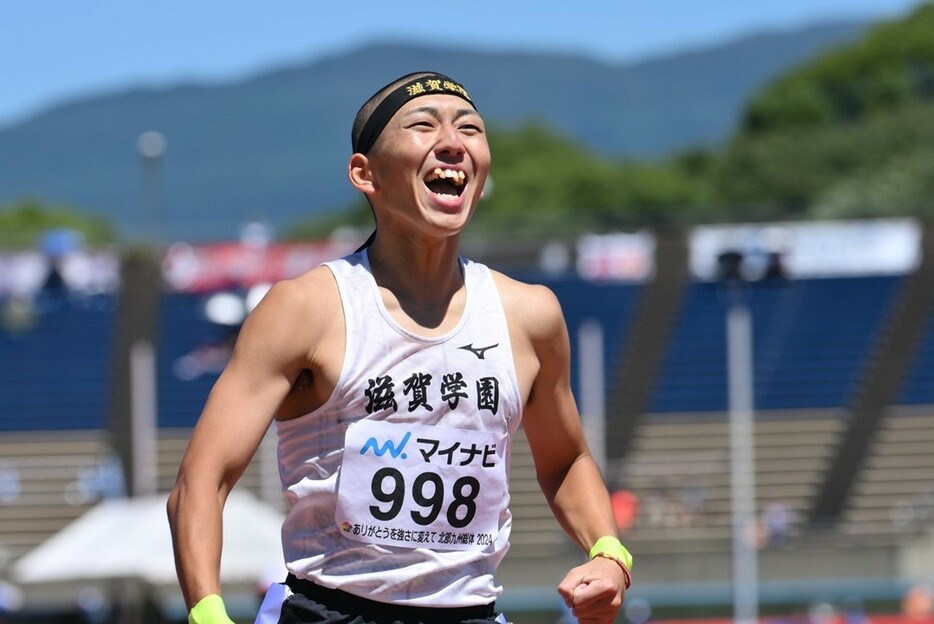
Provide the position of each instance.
(23, 273)
(811, 249)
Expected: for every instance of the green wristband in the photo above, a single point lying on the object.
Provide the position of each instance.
(209, 610)
(611, 547)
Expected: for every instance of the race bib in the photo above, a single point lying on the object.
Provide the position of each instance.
(418, 486)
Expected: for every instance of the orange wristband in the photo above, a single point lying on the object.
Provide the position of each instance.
(622, 566)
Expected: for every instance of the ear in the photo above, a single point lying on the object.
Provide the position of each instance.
(358, 170)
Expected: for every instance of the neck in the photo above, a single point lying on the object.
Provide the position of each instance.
(421, 279)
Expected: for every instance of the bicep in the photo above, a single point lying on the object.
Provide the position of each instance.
(551, 418)
(234, 420)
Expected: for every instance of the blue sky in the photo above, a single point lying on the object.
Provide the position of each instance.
(54, 50)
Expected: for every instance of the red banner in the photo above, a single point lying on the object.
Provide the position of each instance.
(219, 266)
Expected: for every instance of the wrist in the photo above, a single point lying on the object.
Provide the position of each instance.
(609, 547)
(209, 610)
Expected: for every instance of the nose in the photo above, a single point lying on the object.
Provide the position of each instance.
(450, 140)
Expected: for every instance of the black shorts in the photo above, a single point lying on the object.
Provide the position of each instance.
(314, 604)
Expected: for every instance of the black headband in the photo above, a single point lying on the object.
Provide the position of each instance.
(426, 84)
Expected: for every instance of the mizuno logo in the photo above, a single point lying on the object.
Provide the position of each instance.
(386, 447)
(480, 352)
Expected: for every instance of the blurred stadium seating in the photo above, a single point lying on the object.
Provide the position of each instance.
(817, 340)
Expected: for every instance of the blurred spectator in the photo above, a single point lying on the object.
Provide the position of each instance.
(101, 481)
(776, 523)
(854, 611)
(822, 613)
(40, 279)
(625, 507)
(918, 604)
(694, 502)
(56, 246)
(54, 282)
(9, 483)
(656, 506)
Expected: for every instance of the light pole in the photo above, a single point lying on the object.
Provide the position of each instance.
(142, 365)
(151, 146)
(742, 439)
(593, 411)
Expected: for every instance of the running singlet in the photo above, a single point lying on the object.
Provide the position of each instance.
(397, 485)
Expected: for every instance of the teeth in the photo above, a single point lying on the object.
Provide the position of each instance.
(457, 177)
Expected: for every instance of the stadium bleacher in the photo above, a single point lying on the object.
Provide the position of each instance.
(918, 385)
(679, 466)
(812, 340)
(55, 371)
(896, 492)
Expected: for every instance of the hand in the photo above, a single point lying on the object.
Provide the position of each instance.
(594, 591)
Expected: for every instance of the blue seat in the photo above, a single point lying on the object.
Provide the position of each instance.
(57, 374)
(811, 338)
(918, 385)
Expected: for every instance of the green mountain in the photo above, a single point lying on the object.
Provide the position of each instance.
(848, 134)
(274, 146)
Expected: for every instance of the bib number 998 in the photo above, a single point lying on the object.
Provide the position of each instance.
(388, 486)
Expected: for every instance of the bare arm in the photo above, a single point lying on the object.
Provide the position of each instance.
(568, 475)
(269, 355)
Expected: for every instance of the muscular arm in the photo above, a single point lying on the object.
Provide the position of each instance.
(269, 355)
(568, 475)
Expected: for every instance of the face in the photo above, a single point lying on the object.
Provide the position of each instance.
(429, 165)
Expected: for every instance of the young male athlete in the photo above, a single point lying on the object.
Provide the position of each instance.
(396, 378)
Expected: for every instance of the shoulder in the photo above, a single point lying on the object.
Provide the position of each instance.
(312, 288)
(532, 307)
(297, 306)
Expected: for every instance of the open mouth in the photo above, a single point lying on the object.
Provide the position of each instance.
(446, 182)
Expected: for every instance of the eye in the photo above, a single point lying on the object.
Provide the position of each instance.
(470, 123)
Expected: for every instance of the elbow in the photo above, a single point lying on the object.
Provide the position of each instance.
(171, 506)
(175, 504)
(552, 480)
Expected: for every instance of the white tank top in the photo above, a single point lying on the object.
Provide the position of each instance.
(415, 511)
